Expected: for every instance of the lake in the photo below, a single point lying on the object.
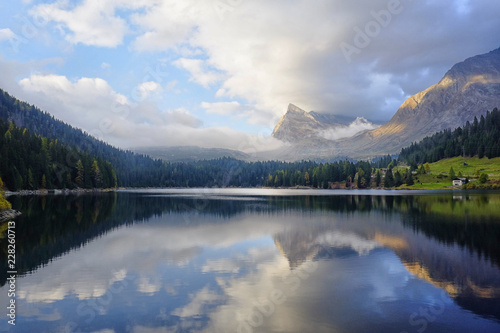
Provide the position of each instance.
(255, 260)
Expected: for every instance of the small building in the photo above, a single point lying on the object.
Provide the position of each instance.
(458, 182)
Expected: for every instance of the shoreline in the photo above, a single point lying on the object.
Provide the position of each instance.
(59, 191)
(294, 188)
(8, 215)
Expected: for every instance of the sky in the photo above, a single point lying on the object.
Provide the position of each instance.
(220, 73)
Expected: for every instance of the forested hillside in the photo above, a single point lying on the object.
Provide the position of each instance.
(481, 138)
(30, 161)
(46, 161)
(131, 169)
(42, 152)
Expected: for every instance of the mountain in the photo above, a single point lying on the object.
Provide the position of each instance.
(190, 153)
(469, 89)
(313, 136)
(297, 126)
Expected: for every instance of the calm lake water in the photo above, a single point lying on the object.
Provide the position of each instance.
(240, 260)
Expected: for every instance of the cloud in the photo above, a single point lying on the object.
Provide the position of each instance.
(340, 132)
(198, 304)
(183, 117)
(271, 53)
(222, 108)
(82, 102)
(266, 54)
(168, 24)
(6, 34)
(199, 71)
(171, 86)
(339, 239)
(92, 22)
(93, 105)
(157, 243)
(145, 89)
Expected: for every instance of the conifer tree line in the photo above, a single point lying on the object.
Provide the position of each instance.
(481, 138)
(131, 169)
(30, 162)
(42, 152)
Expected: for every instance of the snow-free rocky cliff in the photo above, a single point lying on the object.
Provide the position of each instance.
(468, 89)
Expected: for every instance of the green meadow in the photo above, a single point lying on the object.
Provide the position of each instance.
(438, 177)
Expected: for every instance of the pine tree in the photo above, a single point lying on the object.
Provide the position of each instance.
(452, 173)
(44, 182)
(96, 175)
(378, 178)
(398, 180)
(31, 181)
(360, 181)
(389, 179)
(79, 180)
(409, 179)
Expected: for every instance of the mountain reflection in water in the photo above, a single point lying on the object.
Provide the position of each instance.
(374, 255)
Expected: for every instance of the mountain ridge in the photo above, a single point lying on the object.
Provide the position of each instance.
(298, 125)
(468, 89)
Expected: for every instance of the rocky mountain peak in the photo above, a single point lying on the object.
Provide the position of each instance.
(295, 124)
(467, 90)
(293, 108)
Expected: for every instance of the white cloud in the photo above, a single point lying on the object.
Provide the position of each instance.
(157, 244)
(83, 103)
(272, 54)
(148, 285)
(222, 108)
(147, 88)
(168, 24)
(199, 71)
(92, 22)
(340, 132)
(340, 239)
(91, 104)
(6, 34)
(183, 117)
(266, 54)
(199, 301)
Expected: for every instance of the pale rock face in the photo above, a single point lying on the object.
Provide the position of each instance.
(468, 90)
(298, 125)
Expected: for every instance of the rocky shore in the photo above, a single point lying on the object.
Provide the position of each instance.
(8, 214)
(56, 191)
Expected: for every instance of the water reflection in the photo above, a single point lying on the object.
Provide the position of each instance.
(129, 262)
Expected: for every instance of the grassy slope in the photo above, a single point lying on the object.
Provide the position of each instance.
(442, 167)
